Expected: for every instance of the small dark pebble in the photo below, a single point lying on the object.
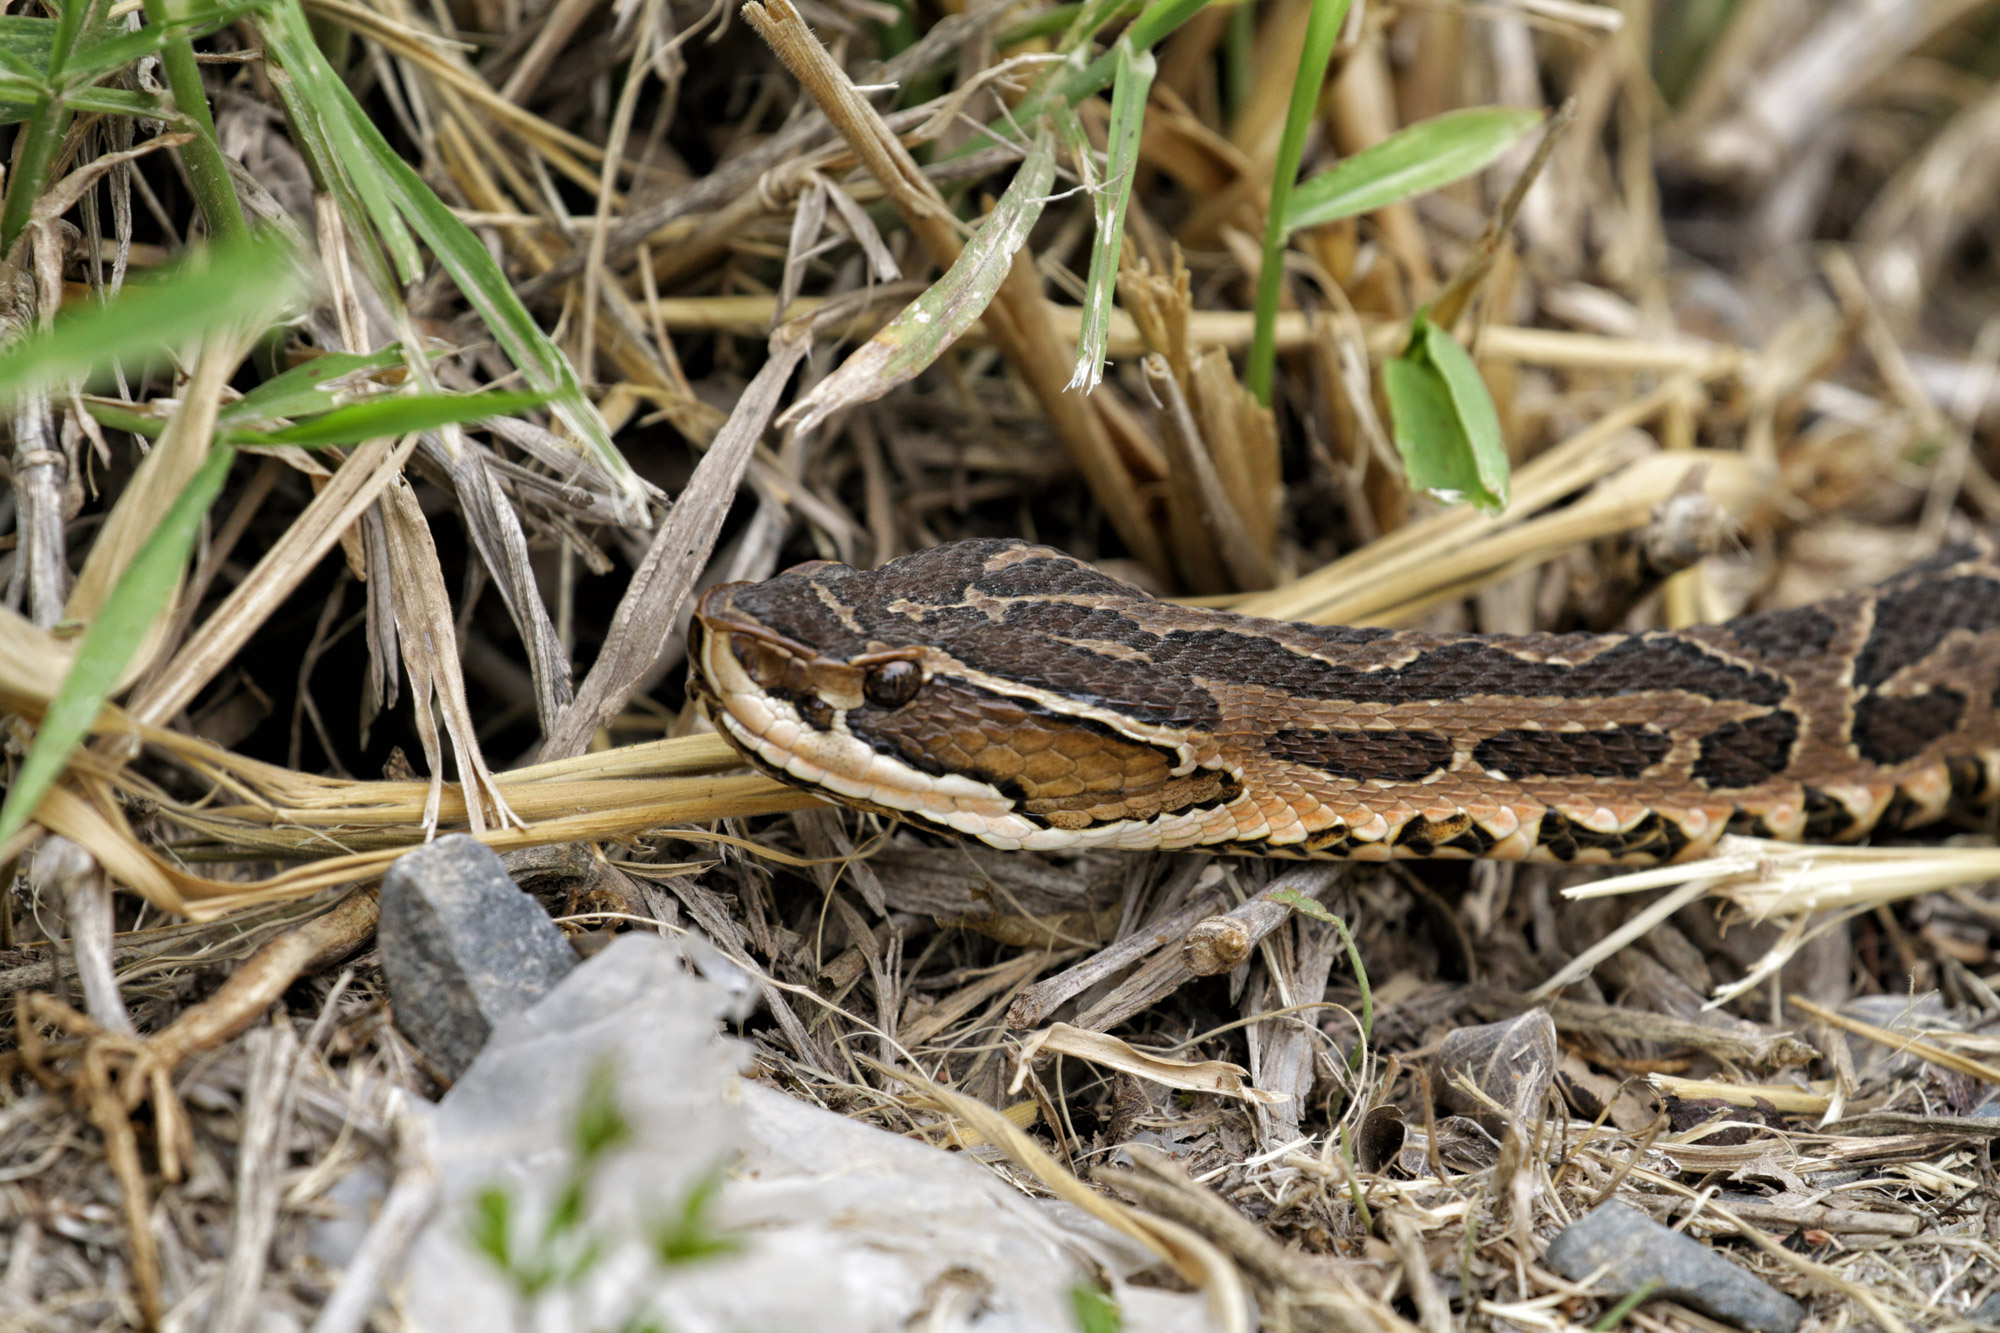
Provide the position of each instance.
(1633, 1250)
(462, 948)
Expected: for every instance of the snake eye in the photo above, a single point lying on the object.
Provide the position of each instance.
(892, 684)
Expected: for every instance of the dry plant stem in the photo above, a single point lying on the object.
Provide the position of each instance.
(1822, 1274)
(428, 637)
(339, 503)
(1451, 302)
(39, 469)
(112, 1119)
(265, 976)
(1604, 1020)
(1191, 1255)
(1638, 925)
(1314, 1293)
(260, 1157)
(1167, 971)
(621, 127)
(1018, 320)
(557, 27)
(160, 477)
(1199, 504)
(86, 895)
(1296, 330)
(1880, 340)
(411, 1201)
(1918, 219)
(1433, 1310)
(646, 614)
(1790, 1217)
(1221, 943)
(1898, 1041)
(1037, 1002)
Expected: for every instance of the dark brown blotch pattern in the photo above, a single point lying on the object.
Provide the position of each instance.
(1743, 754)
(1909, 624)
(1356, 753)
(1620, 752)
(1894, 729)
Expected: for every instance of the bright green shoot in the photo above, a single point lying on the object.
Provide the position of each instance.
(1425, 156)
(1322, 31)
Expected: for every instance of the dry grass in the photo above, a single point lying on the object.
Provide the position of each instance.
(1766, 278)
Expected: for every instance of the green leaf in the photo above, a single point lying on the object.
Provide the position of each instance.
(1425, 156)
(1096, 1311)
(492, 1227)
(394, 414)
(18, 100)
(317, 424)
(1323, 26)
(246, 284)
(26, 44)
(345, 143)
(1298, 902)
(691, 1237)
(123, 102)
(107, 646)
(1445, 425)
(1129, 88)
(301, 391)
(25, 47)
(119, 50)
(600, 1124)
(322, 114)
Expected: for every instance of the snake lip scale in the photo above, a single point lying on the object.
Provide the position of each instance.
(1010, 693)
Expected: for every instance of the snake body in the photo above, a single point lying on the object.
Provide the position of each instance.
(1010, 693)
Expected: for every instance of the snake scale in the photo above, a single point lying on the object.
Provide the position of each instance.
(1010, 693)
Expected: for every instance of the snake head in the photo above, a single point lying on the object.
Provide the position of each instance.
(743, 665)
(933, 688)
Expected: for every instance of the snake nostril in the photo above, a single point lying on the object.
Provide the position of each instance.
(892, 684)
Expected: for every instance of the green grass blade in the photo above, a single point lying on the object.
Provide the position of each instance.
(541, 363)
(373, 166)
(1322, 31)
(1095, 1311)
(120, 49)
(1130, 87)
(248, 282)
(1427, 155)
(395, 414)
(18, 101)
(122, 102)
(26, 44)
(301, 391)
(107, 647)
(334, 138)
(1445, 424)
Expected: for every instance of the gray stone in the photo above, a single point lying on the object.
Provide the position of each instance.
(1633, 1249)
(462, 948)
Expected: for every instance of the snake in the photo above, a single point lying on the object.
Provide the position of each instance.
(1007, 692)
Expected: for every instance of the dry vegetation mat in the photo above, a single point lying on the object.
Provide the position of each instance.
(383, 382)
